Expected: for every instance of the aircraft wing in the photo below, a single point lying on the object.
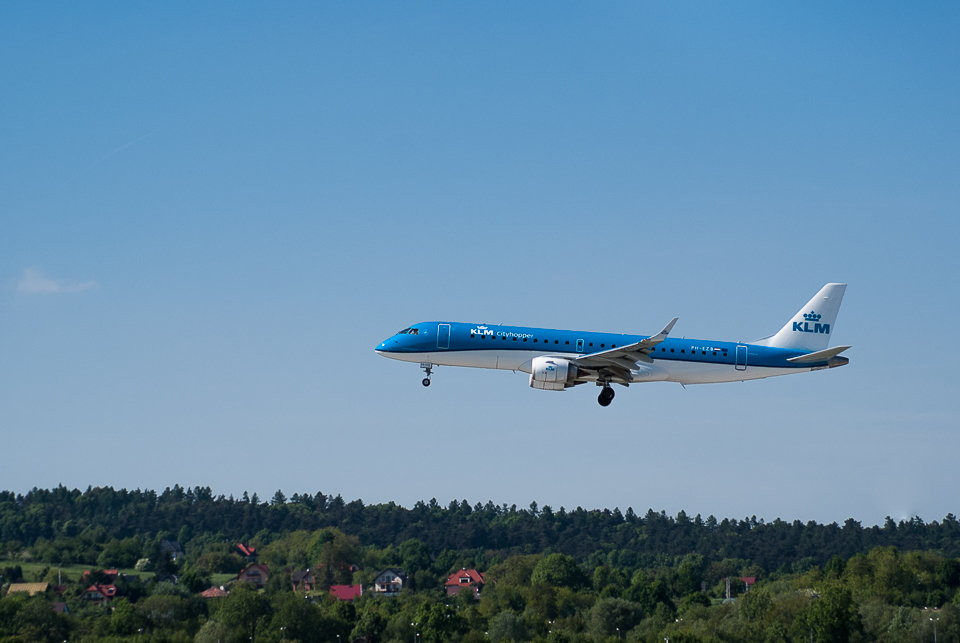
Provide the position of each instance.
(615, 364)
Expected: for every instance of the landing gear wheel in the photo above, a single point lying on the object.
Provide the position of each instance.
(428, 371)
(606, 396)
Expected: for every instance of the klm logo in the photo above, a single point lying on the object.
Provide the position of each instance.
(811, 324)
(481, 330)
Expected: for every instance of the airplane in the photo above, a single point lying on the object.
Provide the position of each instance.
(560, 359)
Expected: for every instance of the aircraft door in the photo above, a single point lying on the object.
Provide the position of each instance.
(443, 336)
(741, 363)
(579, 345)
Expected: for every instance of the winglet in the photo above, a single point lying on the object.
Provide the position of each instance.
(666, 329)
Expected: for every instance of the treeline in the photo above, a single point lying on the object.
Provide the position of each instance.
(883, 595)
(611, 537)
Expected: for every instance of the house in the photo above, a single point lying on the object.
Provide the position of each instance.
(346, 592)
(171, 548)
(31, 589)
(464, 579)
(214, 592)
(247, 551)
(256, 574)
(100, 593)
(748, 582)
(108, 575)
(389, 582)
(303, 581)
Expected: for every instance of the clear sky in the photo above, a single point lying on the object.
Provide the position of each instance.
(210, 213)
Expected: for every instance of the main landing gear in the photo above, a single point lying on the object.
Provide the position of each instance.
(606, 395)
(428, 370)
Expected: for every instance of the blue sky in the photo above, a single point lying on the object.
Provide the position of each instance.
(211, 213)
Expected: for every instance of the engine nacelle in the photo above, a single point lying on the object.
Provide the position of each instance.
(552, 373)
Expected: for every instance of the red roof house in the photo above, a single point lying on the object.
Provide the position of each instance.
(464, 579)
(110, 574)
(100, 593)
(303, 581)
(256, 574)
(214, 592)
(346, 592)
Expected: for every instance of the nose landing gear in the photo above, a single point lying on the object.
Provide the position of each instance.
(606, 395)
(428, 370)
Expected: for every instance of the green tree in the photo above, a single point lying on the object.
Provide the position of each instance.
(296, 618)
(334, 552)
(689, 574)
(834, 616)
(194, 580)
(613, 616)
(515, 570)
(371, 623)
(558, 570)
(213, 631)
(438, 622)
(125, 618)
(37, 622)
(10, 606)
(163, 611)
(414, 555)
(507, 626)
(244, 610)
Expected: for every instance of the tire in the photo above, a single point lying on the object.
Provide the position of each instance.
(606, 396)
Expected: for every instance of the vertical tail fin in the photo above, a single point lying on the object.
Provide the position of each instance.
(810, 328)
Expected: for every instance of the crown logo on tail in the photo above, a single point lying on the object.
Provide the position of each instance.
(811, 324)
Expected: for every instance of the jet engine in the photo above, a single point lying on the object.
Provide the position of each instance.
(552, 373)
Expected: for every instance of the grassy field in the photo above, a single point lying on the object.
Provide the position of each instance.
(38, 572)
(34, 572)
(221, 579)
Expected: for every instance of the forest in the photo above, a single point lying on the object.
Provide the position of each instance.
(547, 574)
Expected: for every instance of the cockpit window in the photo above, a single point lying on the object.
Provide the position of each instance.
(409, 331)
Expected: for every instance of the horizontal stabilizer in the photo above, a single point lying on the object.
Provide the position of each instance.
(818, 356)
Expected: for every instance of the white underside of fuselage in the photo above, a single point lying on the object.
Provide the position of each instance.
(662, 370)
